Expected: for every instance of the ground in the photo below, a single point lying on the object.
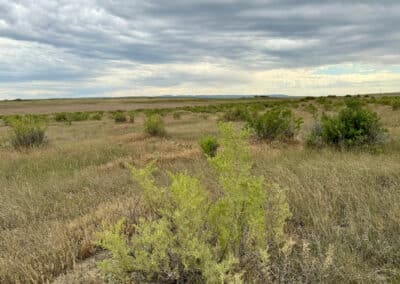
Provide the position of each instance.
(55, 198)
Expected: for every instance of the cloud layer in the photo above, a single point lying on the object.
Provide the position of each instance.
(114, 47)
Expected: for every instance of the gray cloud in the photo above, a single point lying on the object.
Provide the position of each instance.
(79, 40)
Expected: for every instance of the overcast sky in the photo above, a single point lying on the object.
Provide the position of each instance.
(69, 48)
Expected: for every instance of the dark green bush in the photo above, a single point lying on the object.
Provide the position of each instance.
(236, 113)
(209, 145)
(277, 123)
(61, 117)
(352, 126)
(176, 115)
(119, 116)
(154, 125)
(396, 103)
(27, 131)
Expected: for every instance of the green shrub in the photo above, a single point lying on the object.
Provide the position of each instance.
(236, 113)
(352, 126)
(277, 123)
(190, 237)
(154, 125)
(119, 116)
(9, 119)
(61, 117)
(209, 145)
(396, 103)
(131, 115)
(312, 109)
(97, 115)
(176, 115)
(27, 132)
(78, 116)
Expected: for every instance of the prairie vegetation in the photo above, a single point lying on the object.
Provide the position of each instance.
(61, 204)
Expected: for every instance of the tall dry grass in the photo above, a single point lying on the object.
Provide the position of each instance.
(345, 205)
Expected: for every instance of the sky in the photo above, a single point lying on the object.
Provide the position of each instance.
(86, 48)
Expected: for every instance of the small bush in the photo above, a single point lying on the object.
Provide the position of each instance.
(154, 125)
(188, 237)
(209, 145)
(396, 103)
(61, 117)
(78, 116)
(97, 115)
(237, 113)
(131, 115)
(352, 126)
(277, 123)
(27, 132)
(119, 117)
(176, 115)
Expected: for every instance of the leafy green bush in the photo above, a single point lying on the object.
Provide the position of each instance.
(190, 237)
(277, 123)
(9, 119)
(154, 125)
(119, 116)
(352, 126)
(209, 145)
(27, 131)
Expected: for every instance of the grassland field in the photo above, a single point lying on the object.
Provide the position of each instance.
(53, 199)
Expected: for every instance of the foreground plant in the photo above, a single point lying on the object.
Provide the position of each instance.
(154, 125)
(27, 131)
(209, 145)
(190, 237)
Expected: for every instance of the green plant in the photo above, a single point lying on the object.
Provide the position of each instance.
(78, 116)
(119, 116)
(277, 123)
(189, 237)
(209, 145)
(154, 125)
(27, 131)
(131, 115)
(176, 115)
(61, 116)
(352, 126)
(97, 115)
(236, 113)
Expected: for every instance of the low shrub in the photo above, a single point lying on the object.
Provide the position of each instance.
(119, 116)
(277, 123)
(352, 126)
(27, 132)
(176, 115)
(131, 115)
(78, 116)
(396, 103)
(209, 145)
(189, 237)
(154, 125)
(236, 113)
(61, 117)
(97, 115)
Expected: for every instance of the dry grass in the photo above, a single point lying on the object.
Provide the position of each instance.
(346, 205)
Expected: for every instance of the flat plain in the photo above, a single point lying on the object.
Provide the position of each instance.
(345, 205)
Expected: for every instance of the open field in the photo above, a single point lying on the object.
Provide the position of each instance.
(90, 105)
(345, 205)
